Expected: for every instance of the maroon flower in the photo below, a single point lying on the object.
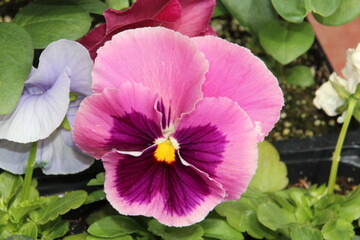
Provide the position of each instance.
(189, 17)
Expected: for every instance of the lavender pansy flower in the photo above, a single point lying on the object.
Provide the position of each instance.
(176, 121)
(64, 68)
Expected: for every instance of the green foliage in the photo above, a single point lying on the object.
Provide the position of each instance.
(296, 10)
(95, 196)
(54, 229)
(91, 6)
(269, 167)
(193, 232)
(300, 232)
(98, 181)
(338, 229)
(286, 41)
(220, 9)
(300, 76)
(16, 53)
(114, 226)
(36, 217)
(57, 206)
(51, 20)
(294, 213)
(220, 229)
(117, 4)
(252, 14)
(346, 12)
(19, 237)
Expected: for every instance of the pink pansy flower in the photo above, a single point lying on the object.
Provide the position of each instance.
(190, 17)
(176, 121)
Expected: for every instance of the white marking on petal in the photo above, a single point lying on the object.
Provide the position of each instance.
(174, 143)
(258, 128)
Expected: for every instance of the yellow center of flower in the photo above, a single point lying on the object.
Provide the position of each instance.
(165, 152)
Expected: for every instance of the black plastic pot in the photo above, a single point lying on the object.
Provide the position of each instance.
(311, 158)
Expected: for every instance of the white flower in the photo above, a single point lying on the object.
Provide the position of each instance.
(326, 97)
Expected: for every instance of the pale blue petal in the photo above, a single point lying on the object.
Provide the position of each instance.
(60, 55)
(14, 156)
(38, 113)
(56, 157)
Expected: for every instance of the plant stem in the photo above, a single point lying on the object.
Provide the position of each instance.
(339, 144)
(29, 172)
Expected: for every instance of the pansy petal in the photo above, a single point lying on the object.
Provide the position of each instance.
(219, 139)
(159, 10)
(237, 74)
(195, 17)
(97, 38)
(161, 59)
(54, 156)
(14, 156)
(94, 39)
(123, 119)
(37, 114)
(208, 31)
(176, 195)
(60, 55)
(326, 98)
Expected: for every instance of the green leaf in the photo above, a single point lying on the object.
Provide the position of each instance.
(80, 236)
(219, 10)
(253, 14)
(271, 174)
(54, 229)
(33, 194)
(9, 185)
(286, 41)
(99, 180)
(91, 6)
(194, 232)
(323, 7)
(347, 11)
(323, 216)
(219, 229)
(274, 217)
(127, 237)
(51, 20)
(17, 54)
(338, 230)
(114, 226)
(29, 229)
(117, 4)
(19, 237)
(350, 208)
(241, 215)
(18, 211)
(300, 76)
(291, 10)
(296, 10)
(95, 196)
(57, 206)
(301, 232)
(107, 210)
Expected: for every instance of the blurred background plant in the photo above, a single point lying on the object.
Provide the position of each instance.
(279, 33)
